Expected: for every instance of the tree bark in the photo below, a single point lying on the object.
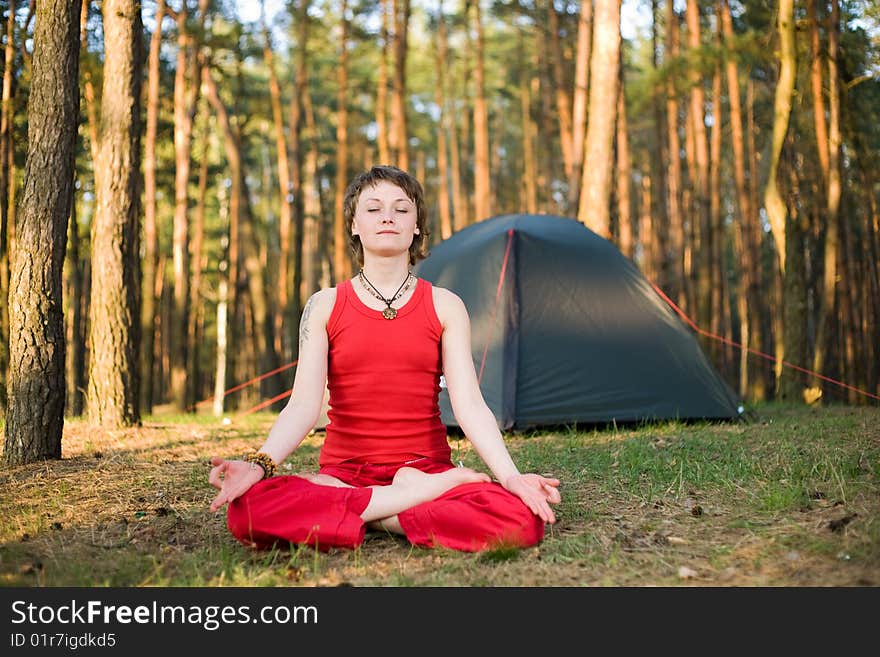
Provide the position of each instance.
(7, 181)
(598, 161)
(563, 101)
(773, 202)
(442, 127)
(341, 260)
(180, 238)
(285, 190)
(624, 173)
(113, 399)
(699, 167)
(830, 150)
(36, 383)
(482, 174)
(382, 137)
(151, 234)
(579, 109)
(674, 176)
(399, 147)
(746, 261)
(76, 376)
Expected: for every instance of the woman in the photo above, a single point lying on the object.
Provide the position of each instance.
(381, 342)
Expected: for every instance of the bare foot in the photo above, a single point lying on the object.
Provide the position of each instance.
(324, 480)
(440, 482)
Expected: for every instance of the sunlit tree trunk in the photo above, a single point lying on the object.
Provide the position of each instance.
(579, 109)
(598, 162)
(296, 173)
(563, 100)
(6, 181)
(699, 167)
(529, 187)
(399, 131)
(624, 174)
(180, 233)
(829, 155)
(774, 204)
(482, 186)
(745, 262)
(113, 399)
(36, 383)
(151, 234)
(197, 257)
(442, 126)
(674, 174)
(285, 191)
(341, 259)
(382, 138)
(256, 283)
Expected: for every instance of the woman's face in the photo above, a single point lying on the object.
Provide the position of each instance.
(385, 219)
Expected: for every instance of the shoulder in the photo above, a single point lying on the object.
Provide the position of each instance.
(320, 305)
(449, 306)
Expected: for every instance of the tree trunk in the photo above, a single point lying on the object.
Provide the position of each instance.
(596, 184)
(311, 255)
(35, 413)
(719, 304)
(699, 167)
(382, 138)
(529, 187)
(76, 379)
(151, 234)
(341, 259)
(442, 127)
(400, 151)
(830, 151)
(658, 163)
(773, 202)
(6, 182)
(563, 101)
(285, 190)
(624, 173)
(296, 174)
(674, 176)
(579, 110)
(180, 239)
(197, 257)
(745, 261)
(113, 367)
(482, 186)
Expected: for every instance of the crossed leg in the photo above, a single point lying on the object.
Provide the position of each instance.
(408, 488)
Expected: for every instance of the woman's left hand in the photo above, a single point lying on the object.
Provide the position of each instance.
(537, 492)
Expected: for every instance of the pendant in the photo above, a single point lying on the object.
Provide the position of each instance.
(389, 313)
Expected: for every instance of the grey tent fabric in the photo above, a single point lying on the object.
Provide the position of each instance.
(566, 330)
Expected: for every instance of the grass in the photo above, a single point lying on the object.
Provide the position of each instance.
(791, 498)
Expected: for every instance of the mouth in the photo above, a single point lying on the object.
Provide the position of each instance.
(387, 232)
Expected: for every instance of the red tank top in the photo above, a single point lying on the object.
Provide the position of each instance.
(383, 377)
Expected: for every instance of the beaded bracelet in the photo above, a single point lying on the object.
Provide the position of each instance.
(264, 461)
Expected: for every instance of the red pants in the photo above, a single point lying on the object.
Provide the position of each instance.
(290, 509)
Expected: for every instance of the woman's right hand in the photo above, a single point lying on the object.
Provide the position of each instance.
(232, 478)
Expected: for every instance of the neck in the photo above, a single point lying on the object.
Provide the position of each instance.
(386, 273)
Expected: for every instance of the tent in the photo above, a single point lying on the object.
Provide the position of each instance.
(565, 329)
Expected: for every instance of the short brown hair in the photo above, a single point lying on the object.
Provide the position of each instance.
(418, 250)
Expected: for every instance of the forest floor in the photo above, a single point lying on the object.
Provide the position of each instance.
(790, 497)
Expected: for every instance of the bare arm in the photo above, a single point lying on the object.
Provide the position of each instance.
(474, 416)
(234, 478)
(304, 405)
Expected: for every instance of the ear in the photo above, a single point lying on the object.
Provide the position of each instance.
(417, 230)
(354, 228)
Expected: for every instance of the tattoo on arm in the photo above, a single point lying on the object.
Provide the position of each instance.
(304, 322)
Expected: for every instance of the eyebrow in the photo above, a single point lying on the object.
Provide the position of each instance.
(397, 200)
